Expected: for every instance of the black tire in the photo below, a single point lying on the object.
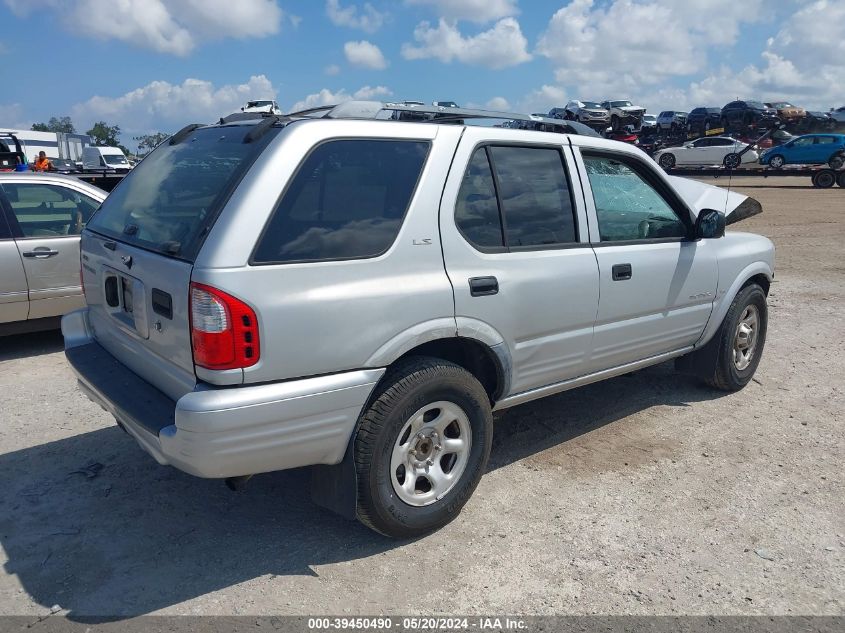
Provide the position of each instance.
(836, 162)
(667, 161)
(732, 160)
(728, 377)
(406, 389)
(840, 179)
(777, 162)
(614, 123)
(824, 179)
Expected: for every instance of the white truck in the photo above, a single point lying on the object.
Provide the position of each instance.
(107, 158)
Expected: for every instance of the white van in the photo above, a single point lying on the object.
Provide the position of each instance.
(105, 158)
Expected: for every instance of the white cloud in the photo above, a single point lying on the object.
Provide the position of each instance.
(498, 103)
(367, 19)
(625, 46)
(327, 97)
(364, 55)
(542, 100)
(167, 26)
(473, 10)
(331, 70)
(12, 117)
(167, 107)
(502, 46)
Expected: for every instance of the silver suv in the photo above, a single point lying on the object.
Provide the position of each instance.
(362, 294)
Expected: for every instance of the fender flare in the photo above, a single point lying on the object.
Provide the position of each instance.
(719, 312)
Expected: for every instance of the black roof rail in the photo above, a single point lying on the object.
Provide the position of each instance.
(438, 114)
(184, 133)
(262, 128)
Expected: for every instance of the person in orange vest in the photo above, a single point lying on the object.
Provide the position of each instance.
(42, 163)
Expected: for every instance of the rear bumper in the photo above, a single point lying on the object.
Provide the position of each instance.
(224, 432)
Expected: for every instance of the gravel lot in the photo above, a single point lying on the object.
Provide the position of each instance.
(647, 494)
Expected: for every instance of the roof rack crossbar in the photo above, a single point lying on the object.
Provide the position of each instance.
(182, 134)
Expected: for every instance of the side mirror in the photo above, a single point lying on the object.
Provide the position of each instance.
(710, 224)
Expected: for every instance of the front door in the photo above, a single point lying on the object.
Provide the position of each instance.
(657, 286)
(46, 220)
(513, 228)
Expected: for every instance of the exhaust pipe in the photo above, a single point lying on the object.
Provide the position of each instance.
(236, 484)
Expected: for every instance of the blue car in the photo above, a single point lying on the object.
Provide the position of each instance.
(810, 149)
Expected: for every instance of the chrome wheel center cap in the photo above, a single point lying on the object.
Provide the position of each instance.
(424, 447)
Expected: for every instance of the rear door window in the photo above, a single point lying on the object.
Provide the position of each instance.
(347, 201)
(169, 202)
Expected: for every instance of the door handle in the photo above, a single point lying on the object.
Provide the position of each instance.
(43, 253)
(483, 286)
(621, 272)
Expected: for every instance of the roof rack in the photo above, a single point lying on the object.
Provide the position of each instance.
(437, 114)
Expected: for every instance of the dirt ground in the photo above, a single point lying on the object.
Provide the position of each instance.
(647, 494)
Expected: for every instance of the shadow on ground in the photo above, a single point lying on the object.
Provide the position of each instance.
(132, 537)
(16, 346)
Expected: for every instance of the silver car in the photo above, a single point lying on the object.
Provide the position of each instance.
(589, 112)
(362, 294)
(41, 217)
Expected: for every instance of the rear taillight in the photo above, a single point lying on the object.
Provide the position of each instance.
(224, 330)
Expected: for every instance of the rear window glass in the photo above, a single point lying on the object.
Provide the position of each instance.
(170, 200)
(347, 201)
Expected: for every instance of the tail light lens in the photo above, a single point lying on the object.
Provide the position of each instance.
(224, 330)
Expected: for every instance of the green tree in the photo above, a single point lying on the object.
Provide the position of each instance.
(103, 134)
(55, 124)
(148, 142)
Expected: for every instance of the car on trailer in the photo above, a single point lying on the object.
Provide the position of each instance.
(707, 150)
(809, 149)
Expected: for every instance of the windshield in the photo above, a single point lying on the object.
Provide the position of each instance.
(170, 200)
(115, 159)
(258, 104)
(620, 104)
(591, 104)
(756, 105)
(782, 104)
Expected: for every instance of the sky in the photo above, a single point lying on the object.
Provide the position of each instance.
(157, 65)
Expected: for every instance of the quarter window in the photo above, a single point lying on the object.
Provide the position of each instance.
(48, 210)
(477, 210)
(627, 206)
(347, 201)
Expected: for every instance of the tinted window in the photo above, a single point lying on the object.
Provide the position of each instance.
(825, 140)
(347, 200)
(169, 201)
(722, 142)
(42, 210)
(477, 211)
(535, 196)
(627, 206)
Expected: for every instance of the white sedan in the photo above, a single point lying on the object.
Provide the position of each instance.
(704, 151)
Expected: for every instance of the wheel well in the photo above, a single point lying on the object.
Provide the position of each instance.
(760, 280)
(477, 358)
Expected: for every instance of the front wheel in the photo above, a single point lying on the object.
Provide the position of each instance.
(666, 161)
(421, 447)
(776, 162)
(741, 336)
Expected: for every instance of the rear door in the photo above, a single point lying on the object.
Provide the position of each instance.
(14, 297)
(513, 227)
(46, 220)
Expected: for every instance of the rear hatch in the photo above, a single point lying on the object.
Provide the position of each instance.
(138, 250)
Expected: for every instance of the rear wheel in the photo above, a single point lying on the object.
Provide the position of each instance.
(741, 340)
(836, 162)
(824, 178)
(421, 448)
